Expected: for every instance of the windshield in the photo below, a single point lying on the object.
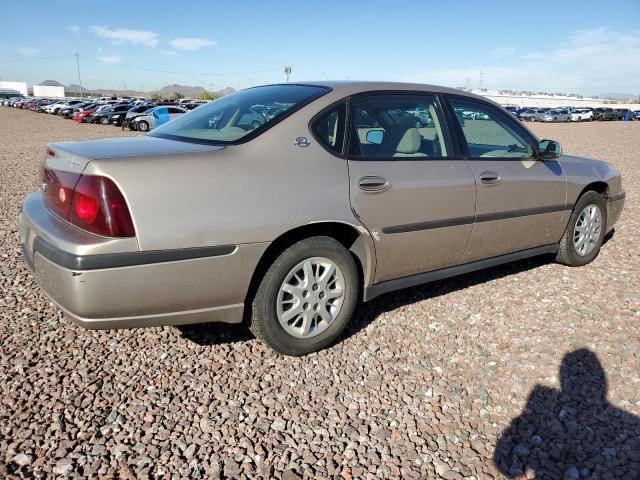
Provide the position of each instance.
(244, 114)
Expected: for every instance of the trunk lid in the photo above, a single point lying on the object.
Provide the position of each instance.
(74, 156)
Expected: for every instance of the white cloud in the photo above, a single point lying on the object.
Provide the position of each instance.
(181, 43)
(76, 30)
(587, 61)
(168, 52)
(28, 51)
(110, 59)
(503, 51)
(123, 35)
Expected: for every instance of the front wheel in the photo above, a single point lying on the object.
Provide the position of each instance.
(307, 297)
(143, 126)
(585, 232)
(104, 121)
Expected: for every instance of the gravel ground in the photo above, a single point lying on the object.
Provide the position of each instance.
(533, 364)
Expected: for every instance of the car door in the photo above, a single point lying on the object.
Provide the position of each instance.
(521, 199)
(407, 187)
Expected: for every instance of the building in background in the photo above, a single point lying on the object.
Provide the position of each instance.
(48, 91)
(20, 87)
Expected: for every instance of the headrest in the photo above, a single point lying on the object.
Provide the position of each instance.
(402, 139)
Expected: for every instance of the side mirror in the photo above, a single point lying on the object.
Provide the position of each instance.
(375, 136)
(549, 150)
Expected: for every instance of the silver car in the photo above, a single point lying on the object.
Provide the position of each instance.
(558, 115)
(154, 117)
(338, 198)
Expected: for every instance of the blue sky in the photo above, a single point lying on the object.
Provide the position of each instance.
(563, 46)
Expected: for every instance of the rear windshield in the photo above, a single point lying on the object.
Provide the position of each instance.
(243, 114)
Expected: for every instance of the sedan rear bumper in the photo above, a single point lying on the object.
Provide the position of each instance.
(139, 289)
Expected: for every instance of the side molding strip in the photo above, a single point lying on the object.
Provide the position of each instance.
(484, 217)
(397, 284)
(128, 259)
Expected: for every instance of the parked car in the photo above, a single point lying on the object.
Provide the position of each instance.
(155, 117)
(555, 116)
(636, 113)
(67, 112)
(625, 114)
(205, 220)
(135, 111)
(528, 115)
(604, 113)
(581, 115)
(82, 116)
(55, 107)
(512, 110)
(113, 114)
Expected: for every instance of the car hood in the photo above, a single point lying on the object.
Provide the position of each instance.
(74, 156)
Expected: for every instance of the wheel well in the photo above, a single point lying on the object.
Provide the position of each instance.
(344, 233)
(601, 187)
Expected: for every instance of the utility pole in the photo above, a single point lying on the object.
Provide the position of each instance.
(287, 72)
(79, 80)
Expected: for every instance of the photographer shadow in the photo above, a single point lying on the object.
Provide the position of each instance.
(572, 433)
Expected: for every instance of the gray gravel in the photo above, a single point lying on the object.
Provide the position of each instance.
(426, 383)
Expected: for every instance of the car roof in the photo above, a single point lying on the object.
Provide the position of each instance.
(350, 87)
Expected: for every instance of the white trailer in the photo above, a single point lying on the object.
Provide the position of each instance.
(48, 91)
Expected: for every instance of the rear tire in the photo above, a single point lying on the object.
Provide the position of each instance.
(310, 293)
(104, 121)
(569, 247)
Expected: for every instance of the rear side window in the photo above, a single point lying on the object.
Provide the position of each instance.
(489, 133)
(241, 116)
(329, 128)
(396, 126)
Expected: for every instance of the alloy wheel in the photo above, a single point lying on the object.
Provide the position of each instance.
(310, 297)
(587, 230)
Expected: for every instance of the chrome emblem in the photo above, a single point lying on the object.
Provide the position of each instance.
(72, 162)
(302, 142)
(43, 186)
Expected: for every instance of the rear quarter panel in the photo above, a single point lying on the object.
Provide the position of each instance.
(247, 193)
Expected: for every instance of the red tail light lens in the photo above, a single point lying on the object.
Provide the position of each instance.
(92, 203)
(99, 207)
(59, 191)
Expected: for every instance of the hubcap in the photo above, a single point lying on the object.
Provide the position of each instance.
(310, 297)
(587, 230)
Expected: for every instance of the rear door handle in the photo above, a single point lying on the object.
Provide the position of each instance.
(489, 177)
(373, 184)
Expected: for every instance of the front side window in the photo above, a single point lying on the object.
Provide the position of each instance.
(329, 128)
(488, 132)
(233, 117)
(388, 125)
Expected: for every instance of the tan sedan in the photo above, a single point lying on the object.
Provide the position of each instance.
(286, 205)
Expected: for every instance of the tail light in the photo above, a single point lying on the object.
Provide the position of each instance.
(90, 202)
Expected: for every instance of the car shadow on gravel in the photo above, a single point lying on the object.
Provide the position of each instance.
(574, 432)
(216, 333)
(368, 312)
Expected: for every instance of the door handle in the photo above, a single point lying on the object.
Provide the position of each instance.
(373, 184)
(489, 177)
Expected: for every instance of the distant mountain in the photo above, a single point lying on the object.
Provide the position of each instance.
(619, 96)
(181, 89)
(51, 83)
(165, 91)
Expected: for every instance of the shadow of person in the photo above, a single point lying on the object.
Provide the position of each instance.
(572, 433)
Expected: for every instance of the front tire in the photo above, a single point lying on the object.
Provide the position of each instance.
(142, 125)
(307, 297)
(585, 232)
